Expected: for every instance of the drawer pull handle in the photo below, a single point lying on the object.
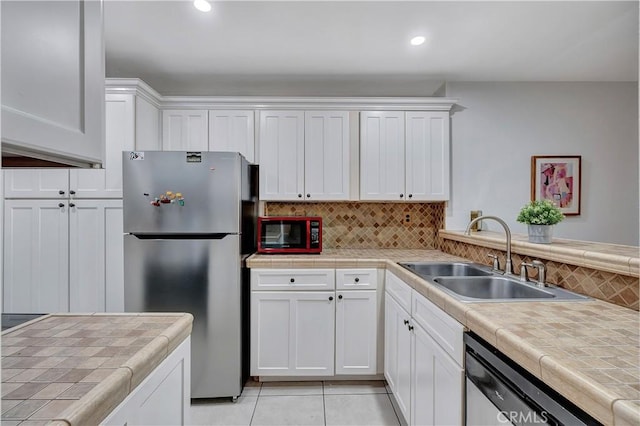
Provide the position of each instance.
(293, 280)
(357, 280)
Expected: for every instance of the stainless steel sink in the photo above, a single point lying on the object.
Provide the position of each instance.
(492, 288)
(446, 269)
(470, 282)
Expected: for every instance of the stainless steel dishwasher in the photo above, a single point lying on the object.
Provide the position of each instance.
(500, 392)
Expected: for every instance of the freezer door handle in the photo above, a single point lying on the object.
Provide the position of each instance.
(218, 236)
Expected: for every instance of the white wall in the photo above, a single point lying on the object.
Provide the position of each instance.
(497, 127)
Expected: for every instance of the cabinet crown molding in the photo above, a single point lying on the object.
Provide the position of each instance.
(139, 87)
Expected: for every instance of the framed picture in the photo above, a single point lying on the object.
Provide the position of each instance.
(557, 178)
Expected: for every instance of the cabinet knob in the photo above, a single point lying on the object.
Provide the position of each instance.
(72, 205)
(340, 296)
(357, 280)
(410, 195)
(61, 192)
(410, 327)
(293, 280)
(299, 195)
(60, 205)
(330, 298)
(401, 195)
(72, 192)
(406, 322)
(308, 195)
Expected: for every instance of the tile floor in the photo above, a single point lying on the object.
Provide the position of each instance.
(301, 403)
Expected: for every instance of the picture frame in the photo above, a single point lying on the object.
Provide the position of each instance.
(557, 178)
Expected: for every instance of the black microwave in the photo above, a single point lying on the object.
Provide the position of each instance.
(290, 234)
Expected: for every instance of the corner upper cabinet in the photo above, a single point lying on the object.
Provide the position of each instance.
(53, 78)
(404, 156)
(281, 155)
(304, 156)
(232, 130)
(185, 130)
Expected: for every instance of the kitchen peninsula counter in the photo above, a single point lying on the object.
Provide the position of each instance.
(588, 351)
(74, 369)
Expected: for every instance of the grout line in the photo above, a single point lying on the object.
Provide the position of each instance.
(324, 406)
(393, 407)
(253, 413)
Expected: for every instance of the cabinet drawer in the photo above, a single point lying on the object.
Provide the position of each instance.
(400, 291)
(293, 279)
(446, 331)
(355, 279)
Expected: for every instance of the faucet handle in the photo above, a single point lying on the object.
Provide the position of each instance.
(524, 275)
(496, 262)
(542, 272)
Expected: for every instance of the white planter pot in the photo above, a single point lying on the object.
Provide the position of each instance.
(540, 234)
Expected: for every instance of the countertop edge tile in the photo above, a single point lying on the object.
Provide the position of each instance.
(581, 389)
(626, 412)
(96, 405)
(25, 324)
(519, 351)
(178, 331)
(146, 359)
(580, 253)
(480, 325)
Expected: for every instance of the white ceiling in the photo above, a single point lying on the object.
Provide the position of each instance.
(362, 47)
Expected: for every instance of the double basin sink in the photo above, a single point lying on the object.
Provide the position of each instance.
(470, 282)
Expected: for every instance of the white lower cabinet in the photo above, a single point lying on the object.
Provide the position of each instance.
(319, 331)
(356, 334)
(427, 379)
(292, 333)
(163, 398)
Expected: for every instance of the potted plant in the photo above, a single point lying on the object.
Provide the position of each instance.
(540, 216)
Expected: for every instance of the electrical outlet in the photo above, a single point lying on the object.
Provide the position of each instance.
(407, 219)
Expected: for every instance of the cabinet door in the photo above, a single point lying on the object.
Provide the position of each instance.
(96, 273)
(53, 78)
(437, 383)
(356, 332)
(120, 128)
(184, 130)
(96, 183)
(427, 155)
(382, 173)
(36, 183)
(292, 333)
(232, 131)
(36, 256)
(326, 155)
(397, 353)
(281, 155)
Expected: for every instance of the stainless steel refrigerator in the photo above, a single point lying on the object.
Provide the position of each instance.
(189, 222)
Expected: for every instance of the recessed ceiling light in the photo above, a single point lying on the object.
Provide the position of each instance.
(417, 41)
(202, 5)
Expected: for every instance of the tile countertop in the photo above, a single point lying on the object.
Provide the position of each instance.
(74, 369)
(589, 351)
(614, 258)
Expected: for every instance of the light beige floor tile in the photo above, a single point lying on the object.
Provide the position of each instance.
(289, 410)
(359, 410)
(251, 388)
(291, 388)
(354, 387)
(224, 412)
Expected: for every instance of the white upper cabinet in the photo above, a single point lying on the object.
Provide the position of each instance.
(53, 78)
(36, 183)
(382, 156)
(185, 130)
(326, 155)
(304, 155)
(404, 156)
(427, 155)
(281, 155)
(232, 130)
